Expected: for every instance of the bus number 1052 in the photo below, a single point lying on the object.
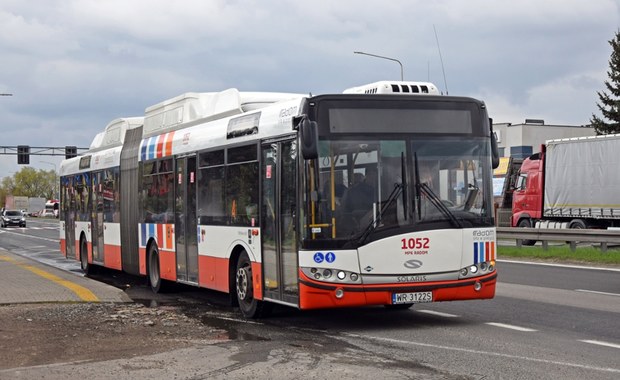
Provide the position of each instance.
(415, 243)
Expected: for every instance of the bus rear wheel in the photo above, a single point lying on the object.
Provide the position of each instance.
(87, 268)
(244, 287)
(155, 281)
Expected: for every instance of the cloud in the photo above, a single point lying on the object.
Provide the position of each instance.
(75, 65)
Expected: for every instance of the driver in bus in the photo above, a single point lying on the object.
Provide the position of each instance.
(361, 196)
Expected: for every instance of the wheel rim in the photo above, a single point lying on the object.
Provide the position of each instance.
(244, 291)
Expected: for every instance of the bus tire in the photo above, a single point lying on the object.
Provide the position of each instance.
(87, 268)
(244, 289)
(154, 275)
(526, 223)
(402, 306)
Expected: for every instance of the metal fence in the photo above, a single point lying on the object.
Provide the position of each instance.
(569, 236)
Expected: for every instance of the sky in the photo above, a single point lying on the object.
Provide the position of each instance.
(72, 66)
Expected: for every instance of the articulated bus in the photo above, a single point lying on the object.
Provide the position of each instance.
(381, 195)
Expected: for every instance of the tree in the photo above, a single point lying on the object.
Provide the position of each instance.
(6, 188)
(610, 102)
(30, 183)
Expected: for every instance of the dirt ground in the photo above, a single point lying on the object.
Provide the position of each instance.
(36, 334)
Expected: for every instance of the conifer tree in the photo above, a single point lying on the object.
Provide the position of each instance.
(609, 104)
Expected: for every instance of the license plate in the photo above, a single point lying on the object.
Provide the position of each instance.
(417, 297)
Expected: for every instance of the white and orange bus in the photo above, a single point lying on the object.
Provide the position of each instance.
(381, 195)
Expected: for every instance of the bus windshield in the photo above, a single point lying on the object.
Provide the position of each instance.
(361, 186)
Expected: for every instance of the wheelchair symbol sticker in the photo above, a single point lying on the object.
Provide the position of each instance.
(318, 257)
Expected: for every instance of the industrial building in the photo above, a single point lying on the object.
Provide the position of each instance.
(522, 140)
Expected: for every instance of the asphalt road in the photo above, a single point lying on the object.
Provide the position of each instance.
(546, 322)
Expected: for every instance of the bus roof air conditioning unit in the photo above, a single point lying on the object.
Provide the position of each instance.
(395, 87)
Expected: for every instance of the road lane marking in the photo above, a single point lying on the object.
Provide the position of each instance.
(597, 292)
(83, 293)
(31, 236)
(484, 353)
(511, 327)
(438, 313)
(557, 265)
(598, 342)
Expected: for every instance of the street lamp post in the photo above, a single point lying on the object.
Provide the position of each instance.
(55, 177)
(382, 57)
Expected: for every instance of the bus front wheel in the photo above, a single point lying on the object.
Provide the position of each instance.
(250, 307)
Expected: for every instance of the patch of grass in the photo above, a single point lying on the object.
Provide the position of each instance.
(562, 253)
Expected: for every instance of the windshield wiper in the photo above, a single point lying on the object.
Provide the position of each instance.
(416, 195)
(398, 189)
(436, 201)
(403, 176)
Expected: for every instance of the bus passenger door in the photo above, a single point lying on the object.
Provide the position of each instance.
(186, 226)
(97, 218)
(70, 218)
(279, 239)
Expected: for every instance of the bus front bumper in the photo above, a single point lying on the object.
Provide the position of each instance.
(321, 295)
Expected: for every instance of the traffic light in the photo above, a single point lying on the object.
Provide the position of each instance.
(23, 154)
(70, 151)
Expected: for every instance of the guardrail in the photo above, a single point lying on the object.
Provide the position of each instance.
(571, 236)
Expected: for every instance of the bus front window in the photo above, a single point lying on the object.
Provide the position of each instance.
(451, 175)
(352, 186)
(360, 186)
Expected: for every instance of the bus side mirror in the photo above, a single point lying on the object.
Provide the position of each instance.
(494, 148)
(309, 136)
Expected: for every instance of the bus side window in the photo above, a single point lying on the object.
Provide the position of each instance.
(211, 196)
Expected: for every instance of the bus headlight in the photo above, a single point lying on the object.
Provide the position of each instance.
(479, 269)
(327, 274)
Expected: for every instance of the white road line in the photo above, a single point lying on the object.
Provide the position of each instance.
(485, 353)
(597, 292)
(557, 265)
(438, 313)
(598, 342)
(512, 327)
(33, 237)
(232, 319)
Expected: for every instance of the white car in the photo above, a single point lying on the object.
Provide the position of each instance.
(47, 214)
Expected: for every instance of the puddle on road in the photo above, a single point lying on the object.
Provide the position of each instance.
(224, 326)
(230, 329)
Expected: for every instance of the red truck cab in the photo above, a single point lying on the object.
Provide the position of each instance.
(527, 198)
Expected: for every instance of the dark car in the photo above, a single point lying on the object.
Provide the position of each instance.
(12, 218)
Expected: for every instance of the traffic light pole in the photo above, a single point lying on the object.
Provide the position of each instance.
(23, 152)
